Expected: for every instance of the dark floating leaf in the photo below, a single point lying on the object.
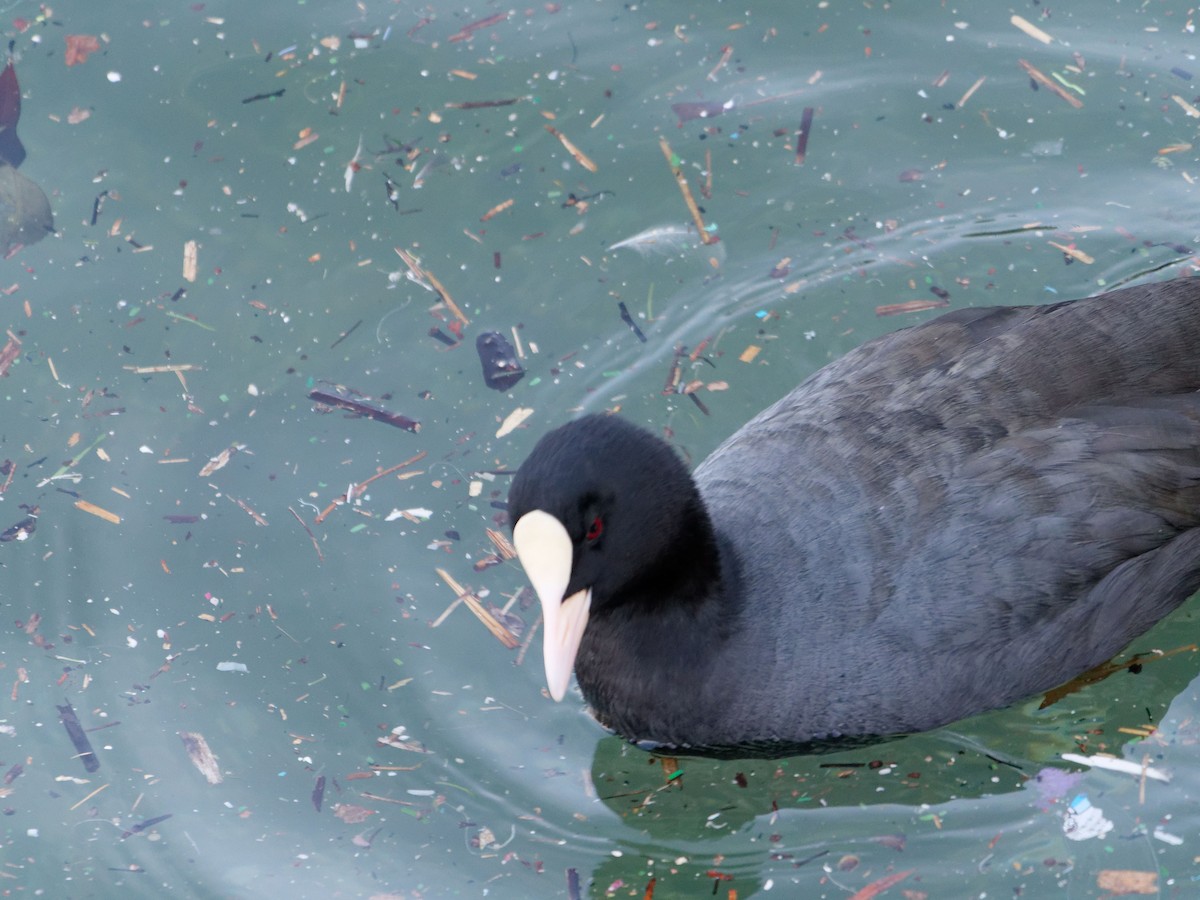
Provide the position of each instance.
(23, 529)
(318, 793)
(802, 134)
(25, 216)
(501, 368)
(628, 320)
(83, 746)
(11, 150)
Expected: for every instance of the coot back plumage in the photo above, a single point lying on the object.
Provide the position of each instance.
(946, 520)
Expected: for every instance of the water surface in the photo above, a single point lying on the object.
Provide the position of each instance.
(301, 146)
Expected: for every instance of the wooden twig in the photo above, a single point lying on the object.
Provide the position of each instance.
(528, 640)
(153, 370)
(249, 510)
(362, 486)
(494, 625)
(502, 544)
(1049, 83)
(311, 536)
(693, 208)
(970, 91)
(580, 157)
(427, 276)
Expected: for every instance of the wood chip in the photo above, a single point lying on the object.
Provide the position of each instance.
(190, 256)
(1072, 252)
(1186, 107)
(580, 156)
(1127, 881)
(971, 90)
(98, 511)
(749, 353)
(497, 209)
(514, 420)
(1032, 30)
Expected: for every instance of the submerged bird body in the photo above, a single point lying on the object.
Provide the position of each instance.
(946, 520)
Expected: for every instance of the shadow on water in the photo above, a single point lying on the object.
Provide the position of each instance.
(997, 802)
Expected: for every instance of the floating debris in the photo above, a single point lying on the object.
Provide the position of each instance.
(201, 756)
(501, 368)
(340, 398)
(66, 715)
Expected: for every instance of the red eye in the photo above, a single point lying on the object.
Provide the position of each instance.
(596, 529)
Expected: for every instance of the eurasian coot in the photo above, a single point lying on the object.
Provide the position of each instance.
(946, 520)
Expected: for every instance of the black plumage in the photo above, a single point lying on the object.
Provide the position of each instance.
(946, 520)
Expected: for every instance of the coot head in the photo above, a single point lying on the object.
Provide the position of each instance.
(601, 510)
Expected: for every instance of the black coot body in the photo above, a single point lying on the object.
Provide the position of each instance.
(946, 520)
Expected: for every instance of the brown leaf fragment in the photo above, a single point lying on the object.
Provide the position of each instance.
(220, 460)
(351, 814)
(79, 47)
(875, 888)
(201, 756)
